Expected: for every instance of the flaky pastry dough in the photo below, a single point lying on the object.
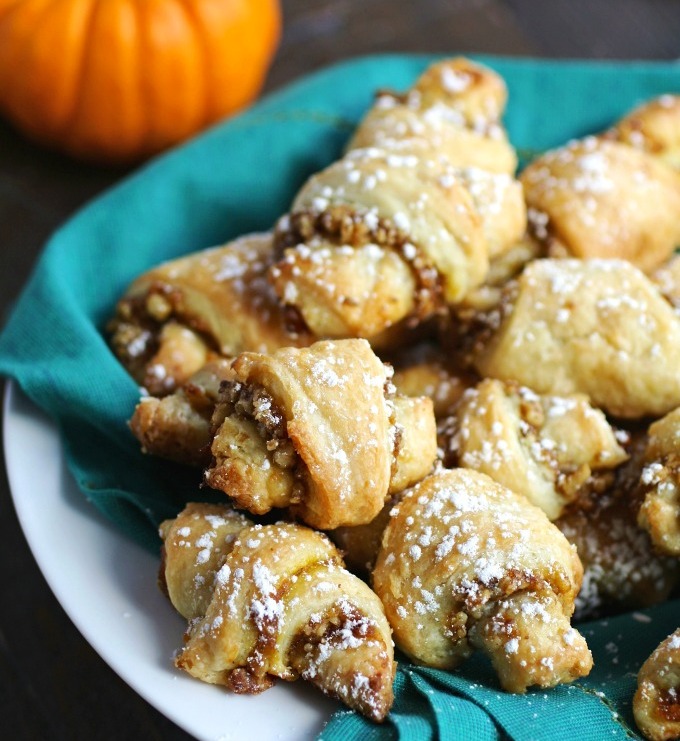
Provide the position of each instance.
(319, 430)
(653, 127)
(455, 106)
(378, 238)
(543, 447)
(377, 202)
(195, 546)
(597, 327)
(275, 601)
(465, 563)
(217, 302)
(656, 705)
(406, 222)
(600, 198)
(660, 484)
(177, 427)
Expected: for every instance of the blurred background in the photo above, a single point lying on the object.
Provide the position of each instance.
(52, 684)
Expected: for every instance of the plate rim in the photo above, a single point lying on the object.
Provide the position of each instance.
(17, 410)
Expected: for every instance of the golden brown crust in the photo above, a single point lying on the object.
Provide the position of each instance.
(653, 127)
(177, 427)
(659, 512)
(324, 396)
(466, 563)
(415, 201)
(599, 198)
(358, 283)
(428, 177)
(455, 106)
(415, 441)
(423, 370)
(597, 327)
(475, 91)
(178, 316)
(656, 705)
(195, 546)
(436, 216)
(546, 448)
(316, 429)
(279, 604)
(499, 200)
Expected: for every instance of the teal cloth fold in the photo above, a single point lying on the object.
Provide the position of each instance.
(239, 177)
(466, 704)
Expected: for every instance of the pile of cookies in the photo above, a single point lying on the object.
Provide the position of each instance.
(464, 383)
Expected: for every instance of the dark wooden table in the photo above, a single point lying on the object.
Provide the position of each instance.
(52, 684)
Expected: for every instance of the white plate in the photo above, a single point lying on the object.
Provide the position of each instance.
(130, 624)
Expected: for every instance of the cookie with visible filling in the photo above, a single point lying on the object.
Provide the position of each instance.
(319, 430)
(274, 601)
(466, 564)
(656, 705)
(546, 448)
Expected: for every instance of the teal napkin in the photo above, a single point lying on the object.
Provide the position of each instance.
(467, 705)
(239, 177)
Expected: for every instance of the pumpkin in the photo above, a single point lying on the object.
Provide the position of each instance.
(117, 80)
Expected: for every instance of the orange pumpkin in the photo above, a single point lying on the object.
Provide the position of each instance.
(118, 80)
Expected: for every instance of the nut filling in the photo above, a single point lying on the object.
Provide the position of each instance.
(345, 226)
(341, 628)
(137, 331)
(252, 402)
(669, 704)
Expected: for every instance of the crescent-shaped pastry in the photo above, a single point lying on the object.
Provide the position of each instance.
(177, 427)
(455, 106)
(374, 201)
(217, 302)
(656, 705)
(660, 484)
(416, 232)
(275, 601)
(547, 448)
(467, 564)
(321, 431)
(406, 222)
(600, 198)
(595, 327)
(653, 127)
